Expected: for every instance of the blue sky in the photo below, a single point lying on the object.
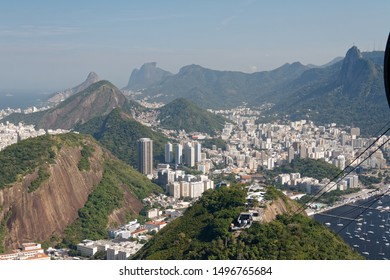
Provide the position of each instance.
(52, 45)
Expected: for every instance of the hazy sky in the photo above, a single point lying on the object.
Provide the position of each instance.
(50, 45)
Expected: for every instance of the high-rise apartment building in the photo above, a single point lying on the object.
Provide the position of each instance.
(198, 152)
(189, 155)
(178, 153)
(168, 152)
(145, 156)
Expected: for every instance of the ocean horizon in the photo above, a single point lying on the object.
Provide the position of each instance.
(21, 98)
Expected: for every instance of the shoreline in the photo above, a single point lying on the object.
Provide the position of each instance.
(352, 198)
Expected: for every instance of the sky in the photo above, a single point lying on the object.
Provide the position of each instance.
(53, 45)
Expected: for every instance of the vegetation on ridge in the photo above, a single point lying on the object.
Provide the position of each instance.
(104, 199)
(183, 114)
(203, 233)
(23, 158)
(119, 133)
(318, 169)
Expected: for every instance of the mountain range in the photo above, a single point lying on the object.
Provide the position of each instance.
(347, 91)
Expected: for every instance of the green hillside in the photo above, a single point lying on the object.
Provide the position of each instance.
(318, 169)
(119, 133)
(105, 198)
(121, 187)
(183, 114)
(202, 233)
(23, 158)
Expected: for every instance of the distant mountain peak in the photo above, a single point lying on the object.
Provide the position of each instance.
(93, 76)
(62, 95)
(353, 53)
(149, 64)
(148, 75)
(356, 70)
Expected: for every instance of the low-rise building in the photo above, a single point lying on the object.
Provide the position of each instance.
(28, 251)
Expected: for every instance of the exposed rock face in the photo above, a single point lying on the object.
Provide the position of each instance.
(146, 76)
(356, 71)
(53, 206)
(97, 100)
(130, 204)
(47, 211)
(62, 95)
(278, 207)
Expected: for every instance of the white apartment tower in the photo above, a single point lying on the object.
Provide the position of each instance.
(178, 153)
(198, 152)
(189, 155)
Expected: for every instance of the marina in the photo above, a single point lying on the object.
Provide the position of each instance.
(364, 225)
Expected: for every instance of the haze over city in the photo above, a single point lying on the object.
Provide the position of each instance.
(47, 45)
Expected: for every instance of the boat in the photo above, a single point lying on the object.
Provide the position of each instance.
(359, 224)
(370, 232)
(381, 226)
(371, 224)
(381, 253)
(365, 251)
(348, 233)
(356, 246)
(387, 244)
(340, 224)
(362, 238)
(380, 202)
(327, 224)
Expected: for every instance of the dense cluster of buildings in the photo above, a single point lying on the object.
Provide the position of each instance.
(115, 250)
(179, 184)
(29, 110)
(314, 186)
(11, 133)
(175, 182)
(253, 146)
(184, 153)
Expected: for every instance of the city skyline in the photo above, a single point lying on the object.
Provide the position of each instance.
(53, 46)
